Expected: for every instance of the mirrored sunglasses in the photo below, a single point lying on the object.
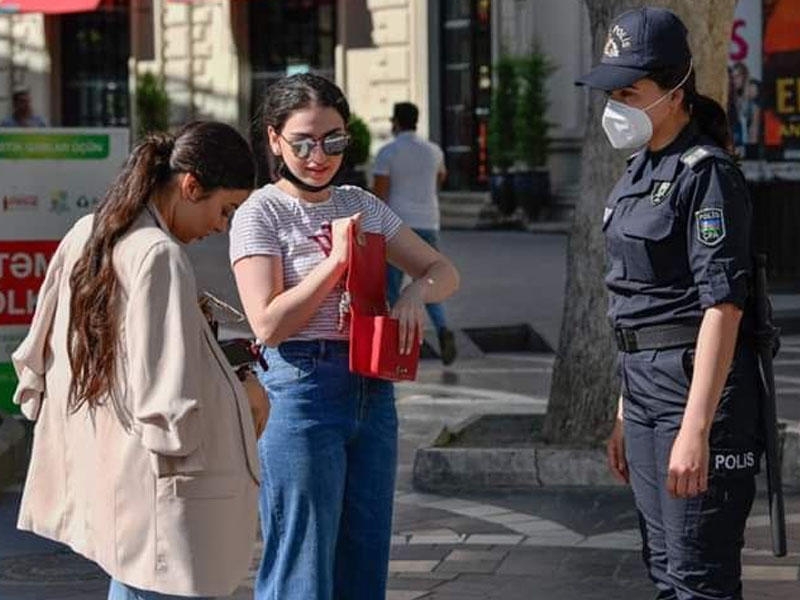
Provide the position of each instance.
(332, 145)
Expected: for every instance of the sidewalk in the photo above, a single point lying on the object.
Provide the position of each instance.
(551, 544)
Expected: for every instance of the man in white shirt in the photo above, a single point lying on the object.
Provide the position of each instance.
(407, 173)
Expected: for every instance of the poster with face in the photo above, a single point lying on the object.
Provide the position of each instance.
(782, 80)
(745, 78)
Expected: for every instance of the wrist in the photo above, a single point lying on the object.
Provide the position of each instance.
(696, 427)
(338, 262)
(418, 288)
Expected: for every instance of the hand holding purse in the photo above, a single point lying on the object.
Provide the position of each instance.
(374, 335)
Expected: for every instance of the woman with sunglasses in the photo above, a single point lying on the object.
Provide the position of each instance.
(328, 455)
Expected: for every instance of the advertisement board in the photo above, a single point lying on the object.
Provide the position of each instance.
(49, 178)
(782, 80)
(745, 78)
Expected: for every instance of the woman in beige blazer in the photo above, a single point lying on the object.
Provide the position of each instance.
(144, 454)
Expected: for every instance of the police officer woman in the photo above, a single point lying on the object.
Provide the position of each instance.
(677, 229)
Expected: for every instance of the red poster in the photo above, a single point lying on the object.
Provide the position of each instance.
(23, 265)
(782, 79)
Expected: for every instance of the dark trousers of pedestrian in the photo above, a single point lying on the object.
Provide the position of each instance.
(394, 282)
(691, 546)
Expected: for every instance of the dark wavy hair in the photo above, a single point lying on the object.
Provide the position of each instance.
(706, 112)
(281, 99)
(218, 157)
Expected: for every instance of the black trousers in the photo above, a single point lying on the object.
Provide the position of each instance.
(691, 547)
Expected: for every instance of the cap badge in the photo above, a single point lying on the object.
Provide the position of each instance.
(618, 39)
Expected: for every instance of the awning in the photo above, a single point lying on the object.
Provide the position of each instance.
(50, 7)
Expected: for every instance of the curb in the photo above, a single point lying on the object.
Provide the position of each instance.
(441, 468)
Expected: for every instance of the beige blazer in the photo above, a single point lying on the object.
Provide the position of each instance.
(168, 504)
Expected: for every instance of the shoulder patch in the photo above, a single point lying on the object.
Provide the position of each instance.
(695, 155)
(710, 226)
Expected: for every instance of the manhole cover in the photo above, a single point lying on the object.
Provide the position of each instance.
(64, 567)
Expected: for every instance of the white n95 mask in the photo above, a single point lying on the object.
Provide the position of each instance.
(626, 127)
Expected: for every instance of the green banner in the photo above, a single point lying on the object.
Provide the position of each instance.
(61, 146)
(8, 383)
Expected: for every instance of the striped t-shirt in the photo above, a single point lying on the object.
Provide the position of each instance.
(273, 223)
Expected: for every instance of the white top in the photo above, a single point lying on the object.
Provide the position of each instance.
(274, 223)
(412, 165)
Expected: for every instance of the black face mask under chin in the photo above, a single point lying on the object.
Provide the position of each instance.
(286, 173)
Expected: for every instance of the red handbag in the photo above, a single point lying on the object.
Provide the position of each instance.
(373, 333)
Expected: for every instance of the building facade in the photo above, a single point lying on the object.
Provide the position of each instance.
(217, 57)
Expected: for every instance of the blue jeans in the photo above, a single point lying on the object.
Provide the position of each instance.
(328, 462)
(394, 280)
(119, 591)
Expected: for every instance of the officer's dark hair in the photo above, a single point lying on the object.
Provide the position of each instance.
(284, 97)
(705, 111)
(406, 115)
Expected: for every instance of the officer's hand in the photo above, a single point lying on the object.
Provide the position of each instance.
(615, 452)
(688, 465)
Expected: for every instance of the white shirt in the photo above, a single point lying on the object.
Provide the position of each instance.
(412, 165)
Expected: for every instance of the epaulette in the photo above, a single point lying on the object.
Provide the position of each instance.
(631, 158)
(697, 154)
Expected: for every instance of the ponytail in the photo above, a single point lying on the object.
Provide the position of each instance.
(712, 120)
(218, 157)
(94, 283)
(710, 117)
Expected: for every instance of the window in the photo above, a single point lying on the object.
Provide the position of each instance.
(292, 36)
(466, 91)
(95, 47)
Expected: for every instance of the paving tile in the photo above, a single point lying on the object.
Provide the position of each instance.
(533, 526)
(775, 590)
(467, 566)
(410, 582)
(405, 594)
(493, 539)
(552, 538)
(482, 510)
(616, 540)
(399, 540)
(418, 498)
(412, 566)
(451, 504)
(475, 555)
(412, 552)
(770, 573)
(469, 585)
(433, 576)
(510, 517)
(453, 538)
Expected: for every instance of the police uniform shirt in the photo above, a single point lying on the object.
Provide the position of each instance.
(677, 229)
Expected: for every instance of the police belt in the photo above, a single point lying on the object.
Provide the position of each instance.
(656, 337)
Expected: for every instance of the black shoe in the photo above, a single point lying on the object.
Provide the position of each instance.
(447, 346)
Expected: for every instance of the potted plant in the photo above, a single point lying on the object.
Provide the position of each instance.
(501, 134)
(152, 105)
(357, 153)
(531, 144)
